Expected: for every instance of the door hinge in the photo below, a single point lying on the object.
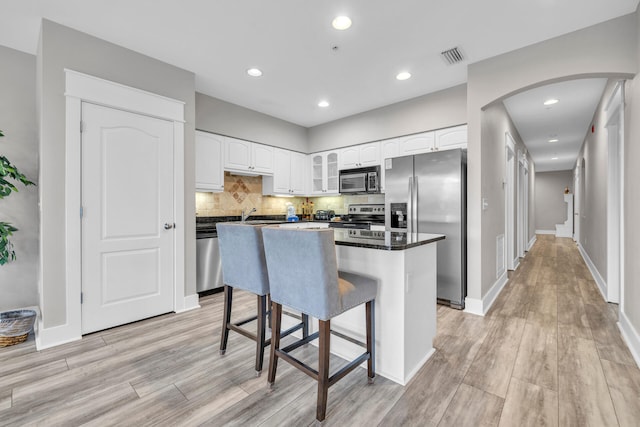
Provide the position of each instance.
(81, 297)
(81, 126)
(81, 211)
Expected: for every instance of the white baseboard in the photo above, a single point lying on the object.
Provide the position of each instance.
(57, 335)
(602, 285)
(481, 307)
(516, 263)
(191, 302)
(545, 231)
(630, 336)
(531, 242)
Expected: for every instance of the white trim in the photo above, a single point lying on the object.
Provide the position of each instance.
(516, 263)
(546, 232)
(481, 307)
(531, 243)
(602, 285)
(509, 201)
(116, 95)
(630, 336)
(54, 336)
(615, 193)
(190, 302)
(408, 376)
(79, 88)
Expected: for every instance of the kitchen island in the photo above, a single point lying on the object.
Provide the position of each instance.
(405, 266)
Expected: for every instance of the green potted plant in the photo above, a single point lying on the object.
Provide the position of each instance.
(14, 325)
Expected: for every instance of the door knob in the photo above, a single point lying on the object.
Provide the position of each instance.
(168, 226)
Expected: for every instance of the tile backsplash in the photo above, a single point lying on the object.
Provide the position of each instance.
(245, 192)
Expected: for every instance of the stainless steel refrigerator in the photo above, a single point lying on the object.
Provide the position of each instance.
(426, 193)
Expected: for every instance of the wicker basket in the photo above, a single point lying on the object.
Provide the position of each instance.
(15, 326)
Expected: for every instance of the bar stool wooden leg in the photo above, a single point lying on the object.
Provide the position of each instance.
(323, 368)
(226, 318)
(276, 320)
(305, 325)
(261, 332)
(371, 340)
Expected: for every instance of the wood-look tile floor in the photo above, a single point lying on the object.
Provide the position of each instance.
(548, 353)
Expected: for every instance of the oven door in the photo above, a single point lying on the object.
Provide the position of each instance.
(353, 182)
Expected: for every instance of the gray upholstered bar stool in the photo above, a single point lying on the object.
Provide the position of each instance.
(303, 274)
(244, 267)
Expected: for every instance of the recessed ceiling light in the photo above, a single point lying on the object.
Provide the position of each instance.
(403, 75)
(553, 140)
(254, 72)
(323, 104)
(551, 101)
(554, 158)
(341, 22)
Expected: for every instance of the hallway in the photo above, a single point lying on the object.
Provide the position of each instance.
(548, 353)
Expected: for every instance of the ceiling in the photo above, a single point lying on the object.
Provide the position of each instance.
(568, 121)
(303, 58)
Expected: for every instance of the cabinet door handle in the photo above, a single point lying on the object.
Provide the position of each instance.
(168, 226)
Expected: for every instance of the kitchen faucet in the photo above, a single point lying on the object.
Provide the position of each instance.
(245, 216)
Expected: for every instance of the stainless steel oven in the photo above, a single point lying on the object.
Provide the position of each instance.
(360, 180)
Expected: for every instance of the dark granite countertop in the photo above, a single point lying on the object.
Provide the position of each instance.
(383, 240)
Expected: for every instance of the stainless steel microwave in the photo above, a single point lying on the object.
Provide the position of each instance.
(360, 180)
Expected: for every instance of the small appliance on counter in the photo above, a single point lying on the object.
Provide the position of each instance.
(324, 215)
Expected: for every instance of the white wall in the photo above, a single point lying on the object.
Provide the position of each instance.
(631, 299)
(495, 124)
(224, 118)
(18, 120)
(606, 49)
(62, 47)
(593, 215)
(550, 206)
(436, 110)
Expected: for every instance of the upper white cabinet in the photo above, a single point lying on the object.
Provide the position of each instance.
(324, 172)
(426, 142)
(248, 157)
(289, 174)
(416, 144)
(360, 156)
(450, 138)
(209, 154)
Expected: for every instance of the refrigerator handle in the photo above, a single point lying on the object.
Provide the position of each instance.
(410, 207)
(414, 213)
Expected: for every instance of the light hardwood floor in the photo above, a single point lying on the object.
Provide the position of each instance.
(548, 353)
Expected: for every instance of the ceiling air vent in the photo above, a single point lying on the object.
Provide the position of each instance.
(452, 56)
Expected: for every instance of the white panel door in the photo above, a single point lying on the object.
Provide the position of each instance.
(127, 225)
(262, 158)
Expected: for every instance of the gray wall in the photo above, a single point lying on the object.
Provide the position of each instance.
(217, 116)
(60, 48)
(606, 49)
(631, 301)
(18, 120)
(550, 206)
(495, 124)
(433, 111)
(593, 215)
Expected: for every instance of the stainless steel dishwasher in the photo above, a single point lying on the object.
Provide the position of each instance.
(208, 263)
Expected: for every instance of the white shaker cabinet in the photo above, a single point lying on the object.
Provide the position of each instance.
(289, 174)
(248, 157)
(209, 155)
(324, 173)
(360, 156)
